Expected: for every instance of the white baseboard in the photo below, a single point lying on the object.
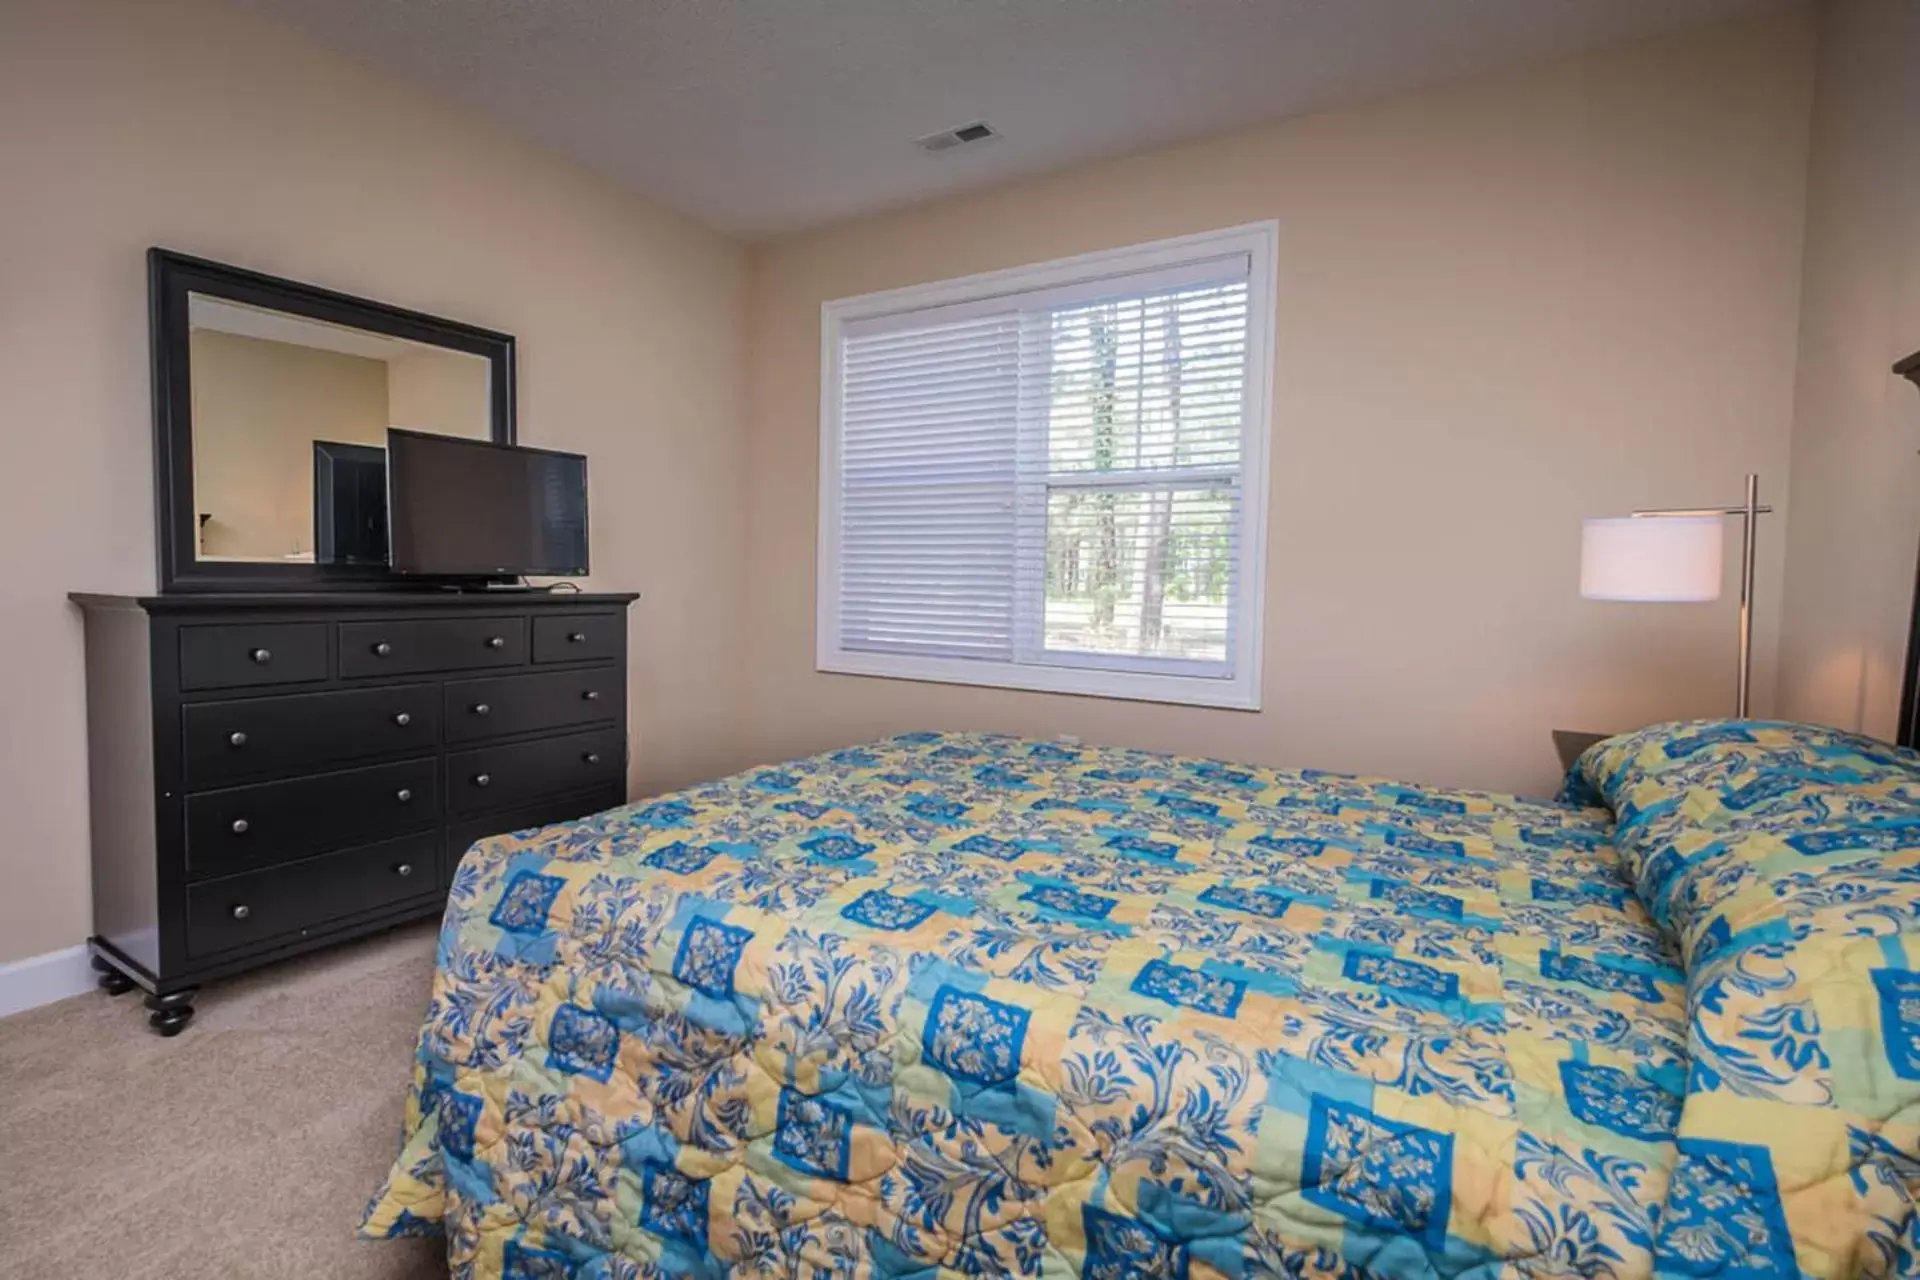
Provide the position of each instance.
(37, 980)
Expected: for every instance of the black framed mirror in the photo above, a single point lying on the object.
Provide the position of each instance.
(272, 398)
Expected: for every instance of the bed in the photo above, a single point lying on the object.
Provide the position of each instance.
(970, 1005)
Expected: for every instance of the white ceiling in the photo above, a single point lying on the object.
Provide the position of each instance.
(767, 116)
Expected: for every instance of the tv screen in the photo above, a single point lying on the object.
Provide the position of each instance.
(471, 508)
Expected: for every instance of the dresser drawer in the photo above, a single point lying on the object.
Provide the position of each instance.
(430, 644)
(243, 828)
(241, 654)
(495, 777)
(580, 637)
(262, 906)
(537, 813)
(227, 742)
(501, 706)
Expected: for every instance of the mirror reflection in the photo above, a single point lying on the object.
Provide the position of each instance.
(290, 419)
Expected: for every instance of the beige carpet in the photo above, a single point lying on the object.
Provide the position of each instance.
(245, 1147)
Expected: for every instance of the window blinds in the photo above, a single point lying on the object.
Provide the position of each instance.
(1048, 478)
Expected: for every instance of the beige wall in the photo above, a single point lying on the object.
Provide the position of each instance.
(258, 406)
(444, 392)
(1856, 481)
(1567, 290)
(129, 123)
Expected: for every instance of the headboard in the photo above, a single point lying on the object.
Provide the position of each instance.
(1910, 692)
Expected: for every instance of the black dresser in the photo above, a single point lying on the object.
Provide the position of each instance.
(275, 773)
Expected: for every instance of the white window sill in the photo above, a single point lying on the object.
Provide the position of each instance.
(1135, 686)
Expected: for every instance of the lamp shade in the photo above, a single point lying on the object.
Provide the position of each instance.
(1656, 558)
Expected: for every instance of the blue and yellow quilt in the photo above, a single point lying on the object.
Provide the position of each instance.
(964, 1005)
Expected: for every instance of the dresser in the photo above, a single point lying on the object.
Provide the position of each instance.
(271, 773)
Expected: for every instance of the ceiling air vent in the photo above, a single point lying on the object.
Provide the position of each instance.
(978, 131)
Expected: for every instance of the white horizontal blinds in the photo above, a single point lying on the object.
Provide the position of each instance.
(928, 425)
(1133, 405)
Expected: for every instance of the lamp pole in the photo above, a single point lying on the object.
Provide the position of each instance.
(1749, 512)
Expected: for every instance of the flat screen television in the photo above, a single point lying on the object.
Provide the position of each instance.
(472, 508)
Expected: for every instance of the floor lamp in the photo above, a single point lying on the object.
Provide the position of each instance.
(1673, 556)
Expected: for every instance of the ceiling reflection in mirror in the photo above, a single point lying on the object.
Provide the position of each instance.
(290, 419)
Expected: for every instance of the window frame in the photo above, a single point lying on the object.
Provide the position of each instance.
(1069, 673)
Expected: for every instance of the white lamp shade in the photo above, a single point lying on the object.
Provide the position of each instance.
(1656, 558)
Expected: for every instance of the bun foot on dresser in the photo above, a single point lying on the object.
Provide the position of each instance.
(170, 1013)
(110, 979)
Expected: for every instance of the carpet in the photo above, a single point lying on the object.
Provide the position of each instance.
(245, 1147)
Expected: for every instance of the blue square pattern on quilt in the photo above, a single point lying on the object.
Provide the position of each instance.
(673, 1205)
(521, 1261)
(1261, 902)
(1899, 991)
(974, 1038)
(813, 1135)
(1401, 975)
(1562, 967)
(709, 952)
(991, 846)
(524, 906)
(1723, 1216)
(680, 858)
(1378, 1172)
(1414, 898)
(1070, 902)
(1614, 1099)
(459, 1113)
(936, 808)
(582, 1042)
(878, 909)
(1189, 988)
(1123, 1248)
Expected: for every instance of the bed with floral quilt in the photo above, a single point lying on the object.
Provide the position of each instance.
(969, 1005)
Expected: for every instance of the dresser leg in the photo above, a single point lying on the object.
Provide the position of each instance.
(171, 1013)
(110, 979)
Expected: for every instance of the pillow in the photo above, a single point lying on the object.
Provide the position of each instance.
(1785, 859)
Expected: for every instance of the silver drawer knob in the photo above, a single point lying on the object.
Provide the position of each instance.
(481, 779)
(382, 649)
(239, 826)
(240, 912)
(591, 695)
(576, 637)
(481, 708)
(404, 869)
(496, 642)
(403, 719)
(592, 757)
(262, 656)
(404, 795)
(236, 738)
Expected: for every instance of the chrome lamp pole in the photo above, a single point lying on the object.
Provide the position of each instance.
(1749, 513)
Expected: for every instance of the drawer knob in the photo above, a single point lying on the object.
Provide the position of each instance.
(481, 779)
(240, 911)
(403, 719)
(481, 708)
(404, 795)
(496, 642)
(591, 695)
(381, 649)
(237, 739)
(261, 657)
(591, 757)
(404, 869)
(576, 637)
(239, 826)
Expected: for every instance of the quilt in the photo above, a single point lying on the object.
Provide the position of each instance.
(969, 1005)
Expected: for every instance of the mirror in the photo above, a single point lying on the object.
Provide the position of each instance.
(273, 400)
(290, 421)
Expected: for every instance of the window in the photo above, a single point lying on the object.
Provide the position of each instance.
(1053, 477)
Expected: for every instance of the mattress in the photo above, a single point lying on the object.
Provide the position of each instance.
(971, 1005)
